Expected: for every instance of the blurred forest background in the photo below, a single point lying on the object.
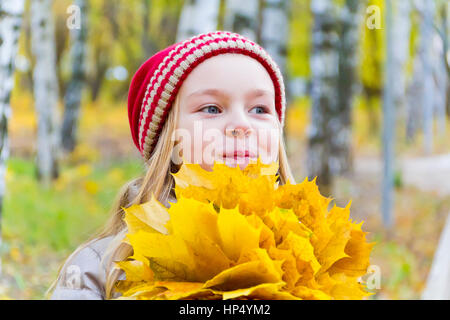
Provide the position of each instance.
(368, 112)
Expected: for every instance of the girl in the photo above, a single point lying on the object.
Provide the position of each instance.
(215, 97)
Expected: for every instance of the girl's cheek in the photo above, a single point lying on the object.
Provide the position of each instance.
(197, 145)
(268, 144)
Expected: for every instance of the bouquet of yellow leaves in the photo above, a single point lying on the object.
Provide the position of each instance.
(238, 234)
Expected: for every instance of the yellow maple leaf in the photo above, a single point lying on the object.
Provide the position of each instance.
(264, 291)
(232, 226)
(149, 216)
(247, 274)
(136, 270)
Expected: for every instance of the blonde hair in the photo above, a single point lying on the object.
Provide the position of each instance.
(158, 181)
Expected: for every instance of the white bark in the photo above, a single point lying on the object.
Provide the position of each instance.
(350, 19)
(45, 89)
(427, 78)
(414, 94)
(242, 17)
(275, 33)
(401, 27)
(73, 95)
(324, 64)
(440, 84)
(389, 116)
(197, 16)
(427, 93)
(333, 65)
(11, 12)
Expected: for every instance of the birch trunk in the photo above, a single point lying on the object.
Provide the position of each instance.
(324, 64)
(275, 34)
(401, 27)
(148, 46)
(73, 95)
(333, 68)
(414, 92)
(242, 17)
(45, 90)
(388, 122)
(420, 91)
(428, 86)
(441, 65)
(11, 12)
(341, 139)
(444, 13)
(440, 77)
(197, 16)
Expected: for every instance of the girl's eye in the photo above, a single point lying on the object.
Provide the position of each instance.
(259, 110)
(211, 109)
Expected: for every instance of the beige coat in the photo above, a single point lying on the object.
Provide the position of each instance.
(83, 276)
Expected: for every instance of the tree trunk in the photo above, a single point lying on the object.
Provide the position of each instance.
(445, 35)
(414, 92)
(275, 34)
(45, 90)
(400, 36)
(341, 139)
(72, 100)
(421, 89)
(428, 85)
(440, 78)
(333, 69)
(441, 69)
(11, 12)
(242, 17)
(324, 80)
(148, 44)
(96, 80)
(447, 103)
(197, 16)
(61, 39)
(444, 11)
(388, 121)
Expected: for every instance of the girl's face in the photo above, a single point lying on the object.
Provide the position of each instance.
(227, 113)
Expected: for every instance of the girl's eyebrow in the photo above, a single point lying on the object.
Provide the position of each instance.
(260, 92)
(218, 92)
(211, 91)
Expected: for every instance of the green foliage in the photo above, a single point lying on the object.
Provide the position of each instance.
(372, 53)
(398, 179)
(300, 38)
(413, 41)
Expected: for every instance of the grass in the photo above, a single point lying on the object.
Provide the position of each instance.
(56, 217)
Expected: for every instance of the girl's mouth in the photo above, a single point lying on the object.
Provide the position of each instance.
(238, 154)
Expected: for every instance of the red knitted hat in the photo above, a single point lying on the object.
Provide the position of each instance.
(157, 81)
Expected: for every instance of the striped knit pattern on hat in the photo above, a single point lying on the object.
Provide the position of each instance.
(156, 83)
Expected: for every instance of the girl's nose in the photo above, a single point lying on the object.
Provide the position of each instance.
(238, 132)
(238, 124)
